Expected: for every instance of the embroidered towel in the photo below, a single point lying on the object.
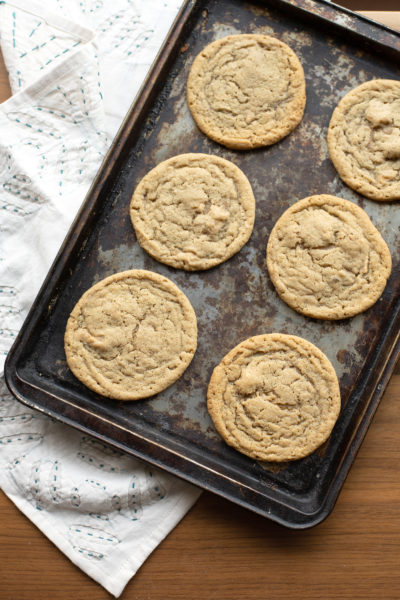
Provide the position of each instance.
(74, 67)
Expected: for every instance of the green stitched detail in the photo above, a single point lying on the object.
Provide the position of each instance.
(35, 29)
(13, 30)
(56, 55)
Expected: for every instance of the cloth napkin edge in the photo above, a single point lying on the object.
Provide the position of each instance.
(52, 73)
(54, 19)
(185, 500)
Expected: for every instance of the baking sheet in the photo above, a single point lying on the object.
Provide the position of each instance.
(235, 300)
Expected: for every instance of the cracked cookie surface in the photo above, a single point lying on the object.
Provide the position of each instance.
(274, 397)
(246, 91)
(193, 211)
(364, 139)
(326, 259)
(131, 335)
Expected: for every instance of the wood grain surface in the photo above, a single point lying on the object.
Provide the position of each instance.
(220, 551)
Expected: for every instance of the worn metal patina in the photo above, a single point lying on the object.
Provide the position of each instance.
(236, 299)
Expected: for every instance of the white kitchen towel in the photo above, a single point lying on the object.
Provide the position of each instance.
(75, 67)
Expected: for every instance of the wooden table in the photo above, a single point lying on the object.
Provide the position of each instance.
(220, 551)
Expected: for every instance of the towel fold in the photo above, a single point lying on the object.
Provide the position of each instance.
(74, 69)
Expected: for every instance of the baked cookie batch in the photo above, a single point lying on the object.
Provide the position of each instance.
(131, 335)
(364, 139)
(326, 259)
(193, 211)
(274, 397)
(246, 91)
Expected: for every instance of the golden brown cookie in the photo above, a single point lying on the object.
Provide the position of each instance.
(193, 211)
(246, 91)
(326, 259)
(274, 397)
(131, 335)
(364, 139)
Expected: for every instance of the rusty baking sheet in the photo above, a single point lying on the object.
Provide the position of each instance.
(235, 300)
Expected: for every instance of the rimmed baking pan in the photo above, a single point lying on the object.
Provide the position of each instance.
(235, 300)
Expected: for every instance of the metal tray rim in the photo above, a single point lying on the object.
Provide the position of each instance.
(311, 519)
(16, 384)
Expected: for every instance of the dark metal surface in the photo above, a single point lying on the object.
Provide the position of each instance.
(235, 300)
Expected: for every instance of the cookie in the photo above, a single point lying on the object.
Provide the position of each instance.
(364, 139)
(326, 259)
(193, 211)
(274, 397)
(131, 335)
(246, 91)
